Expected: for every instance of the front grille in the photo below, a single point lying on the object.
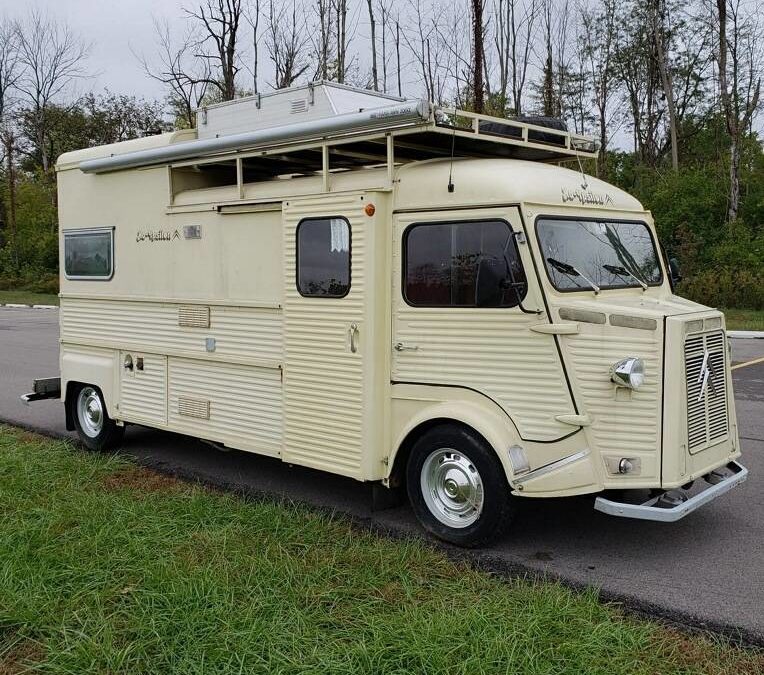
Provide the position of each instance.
(707, 418)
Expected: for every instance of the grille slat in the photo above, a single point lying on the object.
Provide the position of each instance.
(707, 418)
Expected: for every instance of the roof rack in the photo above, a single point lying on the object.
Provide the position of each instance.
(387, 135)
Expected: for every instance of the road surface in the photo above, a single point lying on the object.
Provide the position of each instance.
(705, 570)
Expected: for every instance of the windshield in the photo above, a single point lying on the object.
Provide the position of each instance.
(598, 254)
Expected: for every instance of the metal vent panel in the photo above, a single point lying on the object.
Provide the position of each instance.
(706, 384)
(194, 316)
(193, 407)
(298, 106)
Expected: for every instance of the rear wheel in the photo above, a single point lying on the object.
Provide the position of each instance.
(457, 487)
(96, 429)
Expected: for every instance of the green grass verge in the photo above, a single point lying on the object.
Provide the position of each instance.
(109, 568)
(744, 319)
(27, 298)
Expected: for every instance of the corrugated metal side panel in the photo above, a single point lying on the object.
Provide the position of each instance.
(627, 426)
(143, 393)
(491, 351)
(245, 403)
(240, 332)
(323, 380)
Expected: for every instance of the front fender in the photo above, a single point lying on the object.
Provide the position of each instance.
(417, 405)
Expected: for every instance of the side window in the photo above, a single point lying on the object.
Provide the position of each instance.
(323, 257)
(462, 264)
(89, 254)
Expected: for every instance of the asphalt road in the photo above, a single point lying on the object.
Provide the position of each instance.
(706, 570)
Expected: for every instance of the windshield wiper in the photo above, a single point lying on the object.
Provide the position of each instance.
(623, 272)
(571, 271)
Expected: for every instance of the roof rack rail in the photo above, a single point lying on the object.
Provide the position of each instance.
(391, 134)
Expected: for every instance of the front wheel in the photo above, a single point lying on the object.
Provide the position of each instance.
(96, 429)
(457, 487)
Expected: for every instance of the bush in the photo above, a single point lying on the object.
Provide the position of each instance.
(725, 288)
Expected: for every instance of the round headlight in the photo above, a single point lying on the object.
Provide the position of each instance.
(628, 372)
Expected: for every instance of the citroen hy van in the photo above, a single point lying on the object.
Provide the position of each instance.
(423, 298)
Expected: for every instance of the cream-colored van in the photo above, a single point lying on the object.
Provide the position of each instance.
(395, 292)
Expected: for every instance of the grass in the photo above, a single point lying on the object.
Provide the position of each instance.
(744, 319)
(109, 568)
(27, 298)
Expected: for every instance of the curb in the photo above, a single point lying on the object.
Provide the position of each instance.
(13, 305)
(746, 334)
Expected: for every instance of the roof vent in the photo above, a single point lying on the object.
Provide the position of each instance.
(298, 106)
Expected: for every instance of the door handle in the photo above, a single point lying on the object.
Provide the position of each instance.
(353, 335)
(401, 347)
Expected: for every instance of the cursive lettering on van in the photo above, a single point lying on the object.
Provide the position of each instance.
(586, 197)
(156, 235)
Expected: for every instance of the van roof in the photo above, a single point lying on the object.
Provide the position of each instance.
(503, 181)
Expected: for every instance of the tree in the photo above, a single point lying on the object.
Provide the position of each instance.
(10, 72)
(658, 12)
(52, 57)
(599, 36)
(514, 36)
(286, 41)
(739, 85)
(219, 23)
(252, 15)
(186, 76)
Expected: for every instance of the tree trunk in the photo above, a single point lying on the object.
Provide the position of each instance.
(374, 76)
(734, 197)
(730, 115)
(657, 11)
(11, 177)
(398, 53)
(602, 163)
(477, 66)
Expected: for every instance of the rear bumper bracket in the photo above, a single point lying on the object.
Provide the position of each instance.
(44, 388)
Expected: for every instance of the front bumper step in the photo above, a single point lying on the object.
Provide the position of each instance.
(671, 506)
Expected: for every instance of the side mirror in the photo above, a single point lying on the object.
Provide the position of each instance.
(489, 282)
(676, 274)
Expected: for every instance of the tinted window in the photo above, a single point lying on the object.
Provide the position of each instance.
(469, 264)
(89, 254)
(323, 257)
(612, 254)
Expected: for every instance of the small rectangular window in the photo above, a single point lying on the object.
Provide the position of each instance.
(323, 257)
(89, 254)
(464, 264)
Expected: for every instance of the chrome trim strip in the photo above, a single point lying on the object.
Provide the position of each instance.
(552, 466)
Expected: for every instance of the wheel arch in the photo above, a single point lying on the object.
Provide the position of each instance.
(494, 429)
(92, 366)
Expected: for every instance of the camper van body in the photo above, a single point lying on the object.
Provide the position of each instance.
(192, 301)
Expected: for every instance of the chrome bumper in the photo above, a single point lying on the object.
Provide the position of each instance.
(654, 509)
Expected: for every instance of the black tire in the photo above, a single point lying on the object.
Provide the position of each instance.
(467, 454)
(97, 431)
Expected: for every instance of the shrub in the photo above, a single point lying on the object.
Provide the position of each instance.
(725, 288)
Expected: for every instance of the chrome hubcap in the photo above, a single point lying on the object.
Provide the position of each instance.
(90, 411)
(452, 488)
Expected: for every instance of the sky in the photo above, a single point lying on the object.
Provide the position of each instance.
(114, 27)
